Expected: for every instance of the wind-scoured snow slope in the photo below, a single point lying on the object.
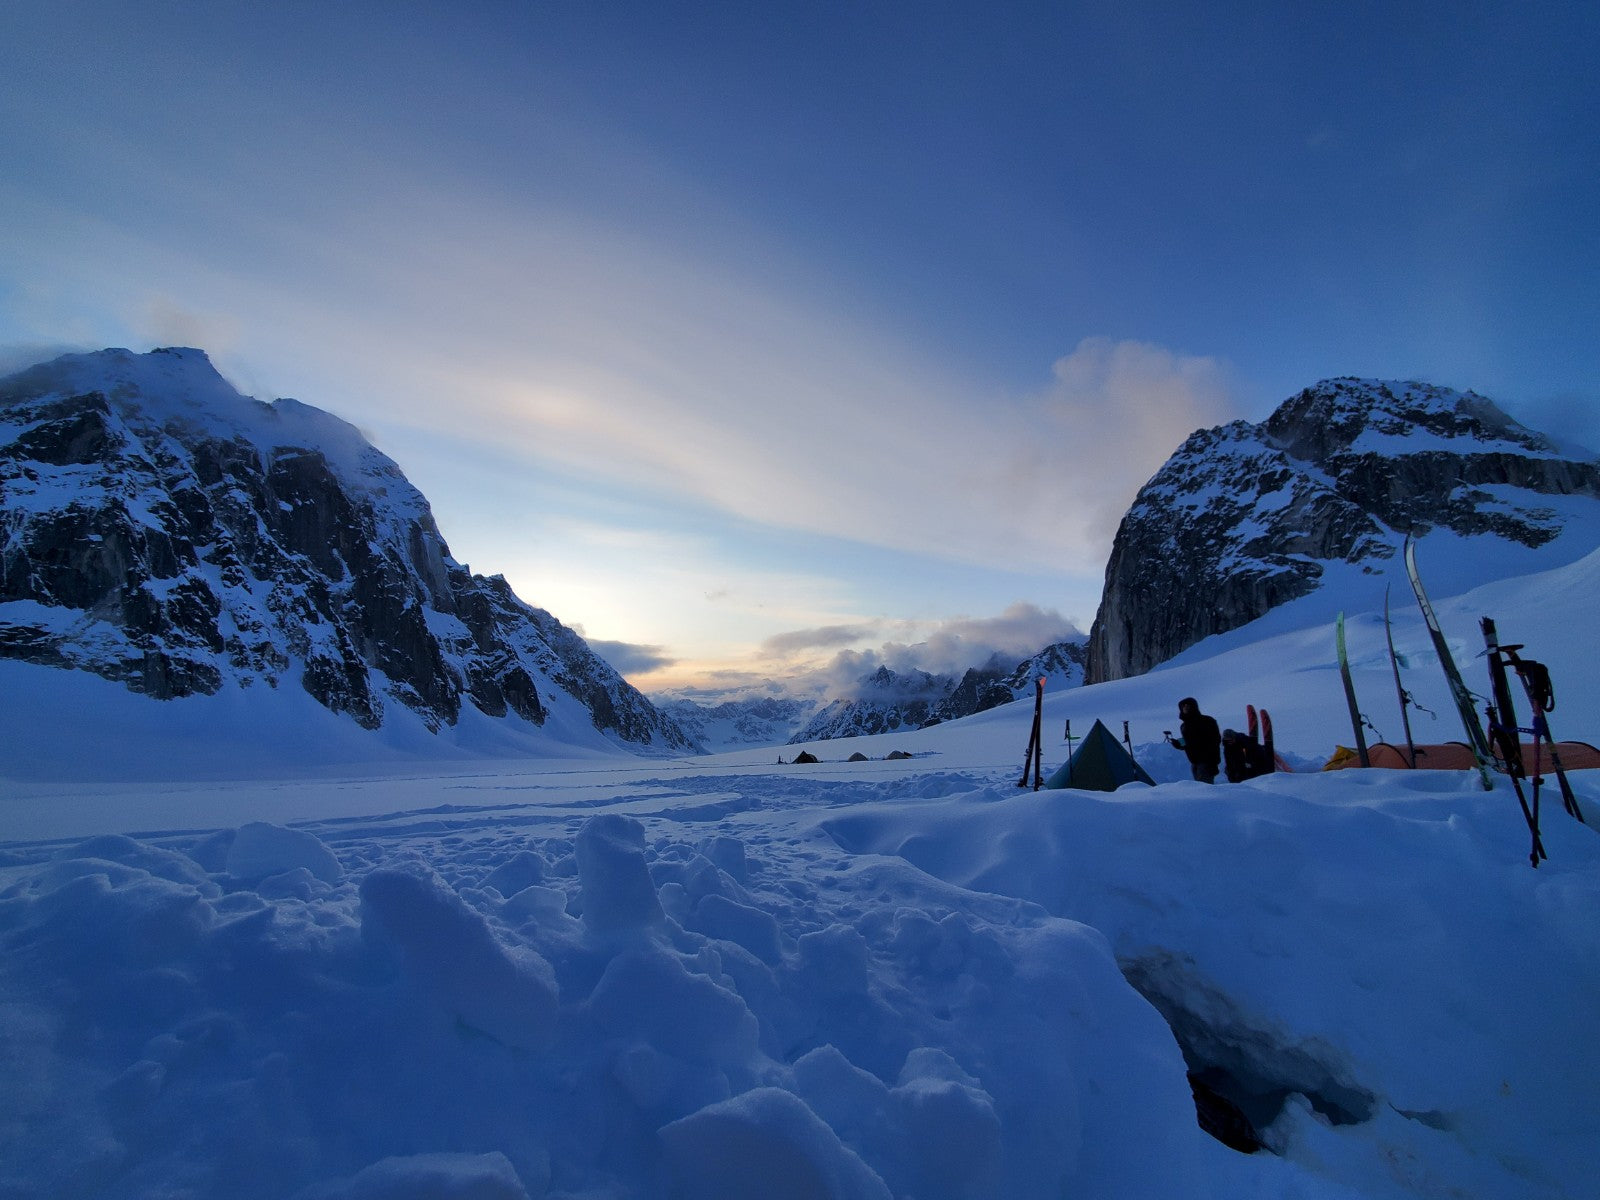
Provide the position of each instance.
(715, 977)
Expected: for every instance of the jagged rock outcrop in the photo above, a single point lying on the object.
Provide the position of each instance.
(1246, 517)
(978, 689)
(159, 529)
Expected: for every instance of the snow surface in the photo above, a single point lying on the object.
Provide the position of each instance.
(585, 975)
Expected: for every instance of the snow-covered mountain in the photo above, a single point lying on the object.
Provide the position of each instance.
(1060, 666)
(1246, 517)
(161, 530)
(884, 702)
(734, 723)
(887, 701)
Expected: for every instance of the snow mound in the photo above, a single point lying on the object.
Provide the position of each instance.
(429, 1177)
(261, 849)
(400, 1028)
(505, 992)
(765, 1143)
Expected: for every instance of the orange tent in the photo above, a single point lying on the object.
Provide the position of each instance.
(1457, 756)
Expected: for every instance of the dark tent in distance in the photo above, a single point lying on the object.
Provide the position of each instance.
(857, 757)
(1100, 764)
(805, 756)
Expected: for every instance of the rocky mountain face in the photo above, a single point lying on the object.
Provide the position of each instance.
(1062, 665)
(1247, 517)
(159, 529)
(888, 701)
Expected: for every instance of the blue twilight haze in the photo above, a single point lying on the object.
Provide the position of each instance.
(751, 338)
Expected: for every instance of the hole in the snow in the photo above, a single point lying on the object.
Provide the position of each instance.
(1242, 1074)
(1221, 1117)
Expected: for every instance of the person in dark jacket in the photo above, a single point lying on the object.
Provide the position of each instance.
(1199, 739)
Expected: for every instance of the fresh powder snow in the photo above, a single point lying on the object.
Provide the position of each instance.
(239, 960)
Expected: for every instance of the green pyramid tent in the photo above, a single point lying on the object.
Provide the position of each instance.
(1100, 764)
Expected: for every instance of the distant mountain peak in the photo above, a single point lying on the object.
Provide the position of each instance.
(887, 701)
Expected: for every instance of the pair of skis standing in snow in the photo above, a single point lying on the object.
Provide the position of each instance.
(1501, 747)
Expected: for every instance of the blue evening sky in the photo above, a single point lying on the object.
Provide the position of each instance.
(751, 335)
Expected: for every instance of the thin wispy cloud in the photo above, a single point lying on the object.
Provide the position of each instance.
(167, 322)
(18, 355)
(552, 341)
(953, 646)
(1114, 411)
(631, 659)
(797, 641)
(725, 374)
(850, 675)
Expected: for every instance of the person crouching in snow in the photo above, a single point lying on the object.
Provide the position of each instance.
(1236, 764)
(1199, 739)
